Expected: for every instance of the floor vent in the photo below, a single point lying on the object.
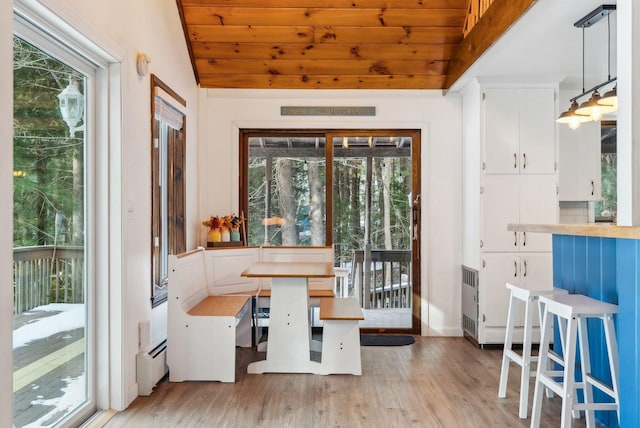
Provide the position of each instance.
(470, 302)
(151, 367)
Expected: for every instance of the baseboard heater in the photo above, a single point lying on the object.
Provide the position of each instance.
(470, 303)
(150, 368)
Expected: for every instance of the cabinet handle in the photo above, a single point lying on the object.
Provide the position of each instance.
(515, 160)
(515, 239)
(524, 161)
(593, 188)
(524, 239)
(481, 243)
(524, 273)
(515, 268)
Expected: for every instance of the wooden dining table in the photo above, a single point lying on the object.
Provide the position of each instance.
(289, 338)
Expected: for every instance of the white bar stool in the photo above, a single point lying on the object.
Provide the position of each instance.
(530, 298)
(572, 311)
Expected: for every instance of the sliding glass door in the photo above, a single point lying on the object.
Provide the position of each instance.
(52, 331)
(358, 191)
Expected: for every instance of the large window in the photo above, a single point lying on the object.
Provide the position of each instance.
(606, 209)
(286, 189)
(168, 195)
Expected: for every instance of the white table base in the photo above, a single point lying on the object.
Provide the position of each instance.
(288, 345)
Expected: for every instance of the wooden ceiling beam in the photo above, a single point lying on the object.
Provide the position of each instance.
(321, 82)
(262, 16)
(321, 51)
(500, 16)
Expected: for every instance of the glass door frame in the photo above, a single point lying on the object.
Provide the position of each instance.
(328, 135)
(93, 74)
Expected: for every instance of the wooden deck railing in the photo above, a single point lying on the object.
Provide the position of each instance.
(47, 274)
(386, 283)
(475, 10)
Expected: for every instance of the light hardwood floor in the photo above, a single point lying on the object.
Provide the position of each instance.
(436, 382)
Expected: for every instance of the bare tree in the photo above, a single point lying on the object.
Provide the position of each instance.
(286, 199)
(316, 196)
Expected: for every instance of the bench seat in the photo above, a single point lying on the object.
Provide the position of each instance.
(221, 306)
(203, 328)
(341, 335)
(340, 309)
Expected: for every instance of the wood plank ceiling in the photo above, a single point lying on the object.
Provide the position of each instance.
(334, 44)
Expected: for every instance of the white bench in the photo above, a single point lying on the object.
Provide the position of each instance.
(203, 328)
(341, 336)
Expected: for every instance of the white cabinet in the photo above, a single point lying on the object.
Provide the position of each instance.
(579, 166)
(519, 131)
(530, 270)
(510, 159)
(517, 198)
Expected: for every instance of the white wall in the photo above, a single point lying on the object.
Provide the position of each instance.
(471, 137)
(128, 27)
(224, 112)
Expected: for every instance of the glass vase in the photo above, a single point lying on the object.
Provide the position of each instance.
(225, 235)
(235, 235)
(214, 235)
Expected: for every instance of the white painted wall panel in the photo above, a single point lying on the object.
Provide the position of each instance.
(225, 112)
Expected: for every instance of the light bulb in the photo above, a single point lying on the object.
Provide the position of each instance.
(596, 113)
(574, 123)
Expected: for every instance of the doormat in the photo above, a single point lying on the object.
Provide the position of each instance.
(385, 340)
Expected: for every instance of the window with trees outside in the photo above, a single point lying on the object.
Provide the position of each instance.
(606, 209)
(52, 218)
(168, 185)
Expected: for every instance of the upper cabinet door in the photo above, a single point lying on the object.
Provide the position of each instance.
(519, 131)
(579, 162)
(501, 132)
(537, 131)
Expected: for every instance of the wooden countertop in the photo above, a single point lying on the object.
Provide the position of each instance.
(601, 230)
(290, 270)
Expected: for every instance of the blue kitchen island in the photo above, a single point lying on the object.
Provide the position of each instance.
(603, 261)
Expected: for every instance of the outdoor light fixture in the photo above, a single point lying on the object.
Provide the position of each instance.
(596, 106)
(72, 107)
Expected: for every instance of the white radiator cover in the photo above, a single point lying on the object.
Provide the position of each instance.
(150, 368)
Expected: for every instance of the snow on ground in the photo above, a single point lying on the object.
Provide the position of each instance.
(69, 317)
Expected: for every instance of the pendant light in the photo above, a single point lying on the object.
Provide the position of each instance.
(571, 117)
(596, 106)
(611, 97)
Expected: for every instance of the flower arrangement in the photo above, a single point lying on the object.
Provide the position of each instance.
(212, 223)
(223, 229)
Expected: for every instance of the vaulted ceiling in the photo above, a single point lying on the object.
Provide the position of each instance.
(338, 44)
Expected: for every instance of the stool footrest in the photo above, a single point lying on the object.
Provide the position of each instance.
(515, 357)
(556, 358)
(551, 384)
(595, 406)
(600, 385)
